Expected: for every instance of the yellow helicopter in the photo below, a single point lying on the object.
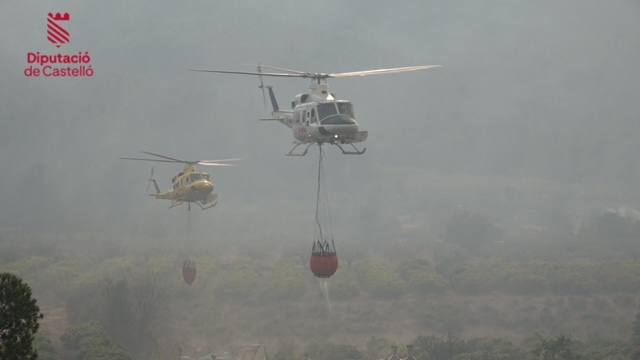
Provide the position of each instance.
(190, 185)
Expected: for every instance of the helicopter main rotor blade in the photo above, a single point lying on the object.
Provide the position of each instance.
(252, 73)
(154, 160)
(292, 71)
(219, 161)
(383, 71)
(165, 157)
(212, 164)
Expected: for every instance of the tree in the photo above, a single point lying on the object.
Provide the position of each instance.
(19, 315)
(421, 277)
(555, 348)
(130, 312)
(242, 281)
(285, 350)
(46, 349)
(378, 348)
(380, 279)
(89, 341)
(332, 351)
(433, 347)
(616, 229)
(447, 318)
(635, 338)
(287, 281)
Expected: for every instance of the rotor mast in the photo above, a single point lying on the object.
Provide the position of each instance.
(320, 87)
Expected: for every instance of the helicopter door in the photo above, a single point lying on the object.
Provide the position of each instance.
(308, 116)
(313, 116)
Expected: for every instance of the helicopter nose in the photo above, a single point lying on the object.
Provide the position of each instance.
(343, 129)
(204, 186)
(339, 125)
(338, 119)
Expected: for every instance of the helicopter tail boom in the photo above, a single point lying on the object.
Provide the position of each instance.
(276, 114)
(280, 117)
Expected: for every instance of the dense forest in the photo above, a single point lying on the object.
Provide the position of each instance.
(472, 293)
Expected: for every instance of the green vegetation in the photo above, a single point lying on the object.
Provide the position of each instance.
(470, 230)
(136, 305)
(19, 315)
(458, 296)
(46, 349)
(90, 342)
(332, 351)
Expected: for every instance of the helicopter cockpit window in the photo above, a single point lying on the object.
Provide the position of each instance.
(196, 177)
(346, 108)
(313, 115)
(326, 109)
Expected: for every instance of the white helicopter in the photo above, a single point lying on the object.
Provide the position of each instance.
(318, 117)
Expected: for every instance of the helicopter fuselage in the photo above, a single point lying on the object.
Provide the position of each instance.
(197, 191)
(318, 117)
(190, 186)
(326, 122)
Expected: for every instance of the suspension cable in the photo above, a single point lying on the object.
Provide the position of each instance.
(320, 155)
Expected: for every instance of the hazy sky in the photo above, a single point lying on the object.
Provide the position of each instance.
(530, 92)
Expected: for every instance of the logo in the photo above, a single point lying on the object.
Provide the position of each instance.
(56, 33)
(74, 64)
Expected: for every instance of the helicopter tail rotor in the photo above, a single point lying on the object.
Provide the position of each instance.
(261, 86)
(272, 98)
(146, 189)
(153, 181)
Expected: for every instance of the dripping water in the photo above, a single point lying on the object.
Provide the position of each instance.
(324, 286)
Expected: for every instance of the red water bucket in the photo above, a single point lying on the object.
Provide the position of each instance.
(189, 272)
(323, 265)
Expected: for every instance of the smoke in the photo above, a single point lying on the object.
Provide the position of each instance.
(530, 112)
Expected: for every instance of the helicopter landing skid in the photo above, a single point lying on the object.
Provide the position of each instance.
(208, 206)
(355, 150)
(295, 146)
(175, 203)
